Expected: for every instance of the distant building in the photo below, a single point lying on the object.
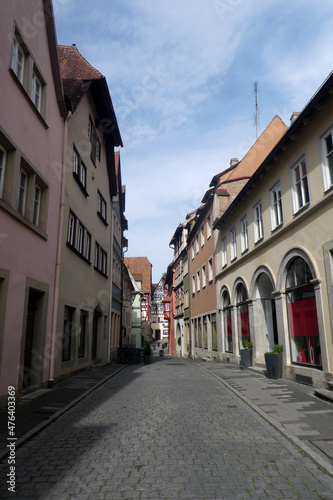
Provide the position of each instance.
(159, 326)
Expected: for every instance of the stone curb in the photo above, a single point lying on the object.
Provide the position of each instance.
(28, 435)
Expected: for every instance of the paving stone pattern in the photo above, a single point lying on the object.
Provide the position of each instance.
(163, 431)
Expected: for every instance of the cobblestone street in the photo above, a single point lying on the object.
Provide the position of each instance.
(163, 431)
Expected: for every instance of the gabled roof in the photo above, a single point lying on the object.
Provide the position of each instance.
(140, 268)
(78, 77)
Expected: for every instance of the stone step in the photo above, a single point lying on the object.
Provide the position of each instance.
(32, 396)
(324, 394)
(330, 384)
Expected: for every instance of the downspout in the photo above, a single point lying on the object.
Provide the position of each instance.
(113, 204)
(58, 254)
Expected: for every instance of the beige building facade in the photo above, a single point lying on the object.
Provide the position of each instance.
(274, 248)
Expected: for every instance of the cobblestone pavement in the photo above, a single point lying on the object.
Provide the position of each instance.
(163, 431)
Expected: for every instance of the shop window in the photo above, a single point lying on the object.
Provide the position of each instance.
(302, 315)
(242, 315)
(227, 325)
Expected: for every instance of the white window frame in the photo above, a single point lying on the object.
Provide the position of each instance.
(258, 222)
(37, 204)
(22, 198)
(276, 206)
(233, 243)
(192, 250)
(244, 235)
(16, 64)
(193, 284)
(224, 252)
(80, 238)
(71, 228)
(202, 232)
(197, 243)
(198, 280)
(83, 175)
(36, 91)
(76, 162)
(2, 168)
(209, 227)
(90, 127)
(87, 246)
(210, 270)
(328, 160)
(301, 189)
(204, 277)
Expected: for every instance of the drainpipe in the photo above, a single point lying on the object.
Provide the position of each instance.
(58, 254)
(113, 205)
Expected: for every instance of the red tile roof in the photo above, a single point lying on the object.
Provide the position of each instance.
(140, 268)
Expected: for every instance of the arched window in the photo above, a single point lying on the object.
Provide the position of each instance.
(227, 325)
(242, 315)
(302, 314)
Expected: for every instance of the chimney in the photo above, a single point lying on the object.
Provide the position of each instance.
(233, 161)
(294, 117)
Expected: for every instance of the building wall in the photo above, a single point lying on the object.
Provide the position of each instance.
(262, 268)
(32, 140)
(203, 300)
(82, 287)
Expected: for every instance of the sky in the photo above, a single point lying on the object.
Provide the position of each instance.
(181, 77)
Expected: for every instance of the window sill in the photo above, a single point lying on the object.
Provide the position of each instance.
(100, 272)
(260, 240)
(79, 183)
(301, 210)
(102, 219)
(71, 247)
(10, 210)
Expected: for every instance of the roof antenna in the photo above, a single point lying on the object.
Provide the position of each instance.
(257, 108)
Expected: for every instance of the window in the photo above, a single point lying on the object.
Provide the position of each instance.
(83, 332)
(258, 223)
(203, 276)
(100, 260)
(233, 244)
(3, 158)
(17, 61)
(37, 201)
(193, 284)
(244, 234)
(210, 270)
(80, 172)
(67, 333)
(214, 333)
(205, 336)
(276, 206)
(36, 91)
(224, 251)
(209, 227)
(101, 206)
(300, 186)
(98, 150)
(242, 315)
(198, 281)
(22, 192)
(71, 229)
(328, 159)
(80, 236)
(90, 128)
(202, 235)
(197, 243)
(192, 249)
(227, 325)
(302, 314)
(87, 246)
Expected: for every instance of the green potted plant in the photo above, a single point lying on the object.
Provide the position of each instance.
(246, 353)
(147, 353)
(273, 360)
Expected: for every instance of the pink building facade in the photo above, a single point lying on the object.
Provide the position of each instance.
(32, 139)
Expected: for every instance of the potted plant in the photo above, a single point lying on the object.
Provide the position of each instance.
(273, 360)
(246, 354)
(147, 353)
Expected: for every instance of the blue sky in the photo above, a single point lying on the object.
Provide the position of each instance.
(181, 76)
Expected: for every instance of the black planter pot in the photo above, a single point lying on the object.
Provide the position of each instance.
(246, 358)
(274, 365)
(147, 359)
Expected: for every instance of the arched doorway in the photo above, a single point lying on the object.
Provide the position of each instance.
(226, 321)
(265, 312)
(302, 314)
(243, 322)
